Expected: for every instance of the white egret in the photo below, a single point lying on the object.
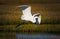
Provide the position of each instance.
(27, 15)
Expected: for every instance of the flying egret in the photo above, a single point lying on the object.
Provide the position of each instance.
(27, 15)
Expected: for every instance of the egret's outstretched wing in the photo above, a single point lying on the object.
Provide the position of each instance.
(26, 10)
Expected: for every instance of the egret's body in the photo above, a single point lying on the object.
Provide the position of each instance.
(27, 16)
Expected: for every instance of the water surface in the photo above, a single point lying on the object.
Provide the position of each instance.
(37, 36)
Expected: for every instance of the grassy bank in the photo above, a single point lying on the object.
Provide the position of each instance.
(44, 28)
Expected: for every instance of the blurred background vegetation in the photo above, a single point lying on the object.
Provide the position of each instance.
(49, 10)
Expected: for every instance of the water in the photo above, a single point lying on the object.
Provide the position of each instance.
(37, 36)
(14, 35)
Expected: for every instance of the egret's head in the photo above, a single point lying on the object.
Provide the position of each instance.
(37, 18)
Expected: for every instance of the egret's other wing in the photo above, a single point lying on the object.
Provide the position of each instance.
(36, 14)
(37, 18)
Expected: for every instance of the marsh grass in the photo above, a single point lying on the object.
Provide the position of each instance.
(43, 28)
(51, 21)
(10, 22)
(4, 12)
(29, 2)
(19, 21)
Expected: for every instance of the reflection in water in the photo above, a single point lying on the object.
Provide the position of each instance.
(36, 36)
